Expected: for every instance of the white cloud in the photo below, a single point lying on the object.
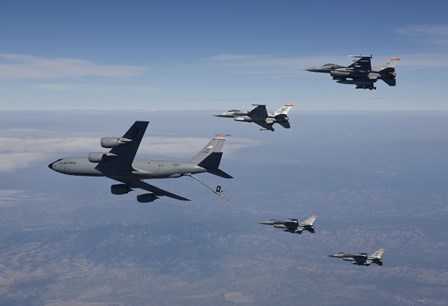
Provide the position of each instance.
(26, 148)
(427, 33)
(11, 196)
(17, 66)
(81, 86)
(60, 86)
(424, 60)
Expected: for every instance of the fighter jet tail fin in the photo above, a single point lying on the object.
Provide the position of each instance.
(210, 156)
(310, 220)
(377, 254)
(390, 63)
(283, 110)
(281, 116)
(388, 67)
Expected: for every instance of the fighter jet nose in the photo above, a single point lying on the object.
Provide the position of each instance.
(269, 222)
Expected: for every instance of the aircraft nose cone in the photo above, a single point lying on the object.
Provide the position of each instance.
(312, 69)
(52, 164)
(269, 222)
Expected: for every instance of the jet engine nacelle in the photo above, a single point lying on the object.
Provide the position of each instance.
(120, 189)
(146, 198)
(97, 157)
(112, 142)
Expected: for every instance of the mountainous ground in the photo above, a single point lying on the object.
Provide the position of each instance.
(374, 180)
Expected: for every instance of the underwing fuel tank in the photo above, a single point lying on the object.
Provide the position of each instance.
(355, 82)
(339, 74)
(243, 118)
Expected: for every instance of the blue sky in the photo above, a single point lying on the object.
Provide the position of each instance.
(217, 54)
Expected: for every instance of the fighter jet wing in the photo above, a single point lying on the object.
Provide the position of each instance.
(360, 258)
(136, 183)
(291, 225)
(120, 157)
(363, 63)
(258, 113)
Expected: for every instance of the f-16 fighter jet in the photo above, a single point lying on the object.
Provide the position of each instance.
(119, 164)
(361, 259)
(293, 225)
(360, 73)
(260, 116)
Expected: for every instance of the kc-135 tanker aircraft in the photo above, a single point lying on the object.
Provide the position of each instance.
(119, 164)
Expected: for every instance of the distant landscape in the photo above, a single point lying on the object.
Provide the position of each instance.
(374, 179)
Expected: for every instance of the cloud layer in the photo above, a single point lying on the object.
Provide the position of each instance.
(428, 33)
(19, 66)
(27, 148)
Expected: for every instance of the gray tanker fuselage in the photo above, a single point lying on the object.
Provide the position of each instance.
(144, 169)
